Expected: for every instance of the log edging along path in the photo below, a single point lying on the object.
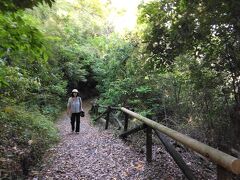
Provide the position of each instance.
(98, 154)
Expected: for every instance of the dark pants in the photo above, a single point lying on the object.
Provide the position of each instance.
(75, 117)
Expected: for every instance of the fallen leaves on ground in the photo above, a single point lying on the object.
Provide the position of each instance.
(98, 154)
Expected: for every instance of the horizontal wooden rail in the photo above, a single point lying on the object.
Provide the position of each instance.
(112, 107)
(105, 112)
(225, 160)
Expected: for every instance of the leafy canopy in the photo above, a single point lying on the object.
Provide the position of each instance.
(14, 5)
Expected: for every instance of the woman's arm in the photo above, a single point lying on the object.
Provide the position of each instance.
(69, 106)
(81, 108)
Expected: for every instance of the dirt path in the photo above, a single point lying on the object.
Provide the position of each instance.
(98, 154)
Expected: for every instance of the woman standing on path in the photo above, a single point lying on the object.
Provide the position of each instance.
(74, 110)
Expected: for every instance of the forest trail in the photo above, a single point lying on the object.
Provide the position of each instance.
(99, 154)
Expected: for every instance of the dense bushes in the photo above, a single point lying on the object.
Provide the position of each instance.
(178, 68)
(25, 136)
(43, 54)
(31, 92)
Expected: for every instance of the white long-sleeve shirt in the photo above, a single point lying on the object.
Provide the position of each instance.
(74, 104)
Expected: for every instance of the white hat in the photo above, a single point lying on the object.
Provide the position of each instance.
(74, 91)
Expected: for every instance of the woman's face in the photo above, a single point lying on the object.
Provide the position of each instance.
(74, 94)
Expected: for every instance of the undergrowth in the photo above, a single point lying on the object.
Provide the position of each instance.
(25, 136)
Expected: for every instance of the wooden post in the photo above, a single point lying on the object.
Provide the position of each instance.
(126, 122)
(176, 156)
(95, 109)
(149, 144)
(107, 117)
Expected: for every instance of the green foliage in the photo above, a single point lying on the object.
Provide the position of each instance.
(24, 135)
(190, 53)
(176, 65)
(3, 82)
(32, 89)
(19, 38)
(21, 45)
(208, 31)
(34, 124)
(70, 28)
(111, 66)
(14, 5)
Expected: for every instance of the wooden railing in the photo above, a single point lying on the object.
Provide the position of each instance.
(226, 164)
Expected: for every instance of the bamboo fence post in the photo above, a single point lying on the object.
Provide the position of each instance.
(96, 109)
(126, 122)
(148, 143)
